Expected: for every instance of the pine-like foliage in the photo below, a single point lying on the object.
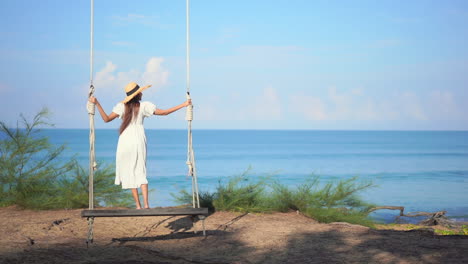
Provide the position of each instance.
(241, 195)
(185, 198)
(237, 194)
(335, 201)
(74, 189)
(33, 174)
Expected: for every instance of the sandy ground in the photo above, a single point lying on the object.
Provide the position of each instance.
(59, 237)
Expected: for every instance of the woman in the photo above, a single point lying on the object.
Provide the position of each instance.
(131, 148)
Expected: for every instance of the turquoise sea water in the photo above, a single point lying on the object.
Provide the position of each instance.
(421, 170)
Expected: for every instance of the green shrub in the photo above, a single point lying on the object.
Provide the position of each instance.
(329, 215)
(33, 175)
(74, 189)
(240, 195)
(237, 194)
(283, 199)
(185, 198)
(336, 201)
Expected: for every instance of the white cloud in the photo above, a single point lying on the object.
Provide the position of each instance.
(123, 43)
(227, 34)
(411, 106)
(209, 109)
(155, 74)
(342, 105)
(267, 106)
(444, 106)
(367, 111)
(358, 91)
(357, 105)
(311, 107)
(387, 110)
(269, 49)
(139, 19)
(133, 18)
(110, 79)
(106, 75)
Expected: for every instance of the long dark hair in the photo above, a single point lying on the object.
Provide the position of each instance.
(131, 110)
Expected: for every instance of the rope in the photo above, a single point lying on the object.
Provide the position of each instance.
(91, 59)
(91, 111)
(90, 238)
(187, 43)
(189, 117)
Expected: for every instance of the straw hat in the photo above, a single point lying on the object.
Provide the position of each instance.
(132, 89)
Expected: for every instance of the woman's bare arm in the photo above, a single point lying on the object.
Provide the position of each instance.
(172, 109)
(105, 117)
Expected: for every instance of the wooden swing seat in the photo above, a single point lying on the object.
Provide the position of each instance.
(145, 212)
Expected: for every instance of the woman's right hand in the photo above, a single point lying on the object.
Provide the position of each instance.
(92, 99)
(188, 102)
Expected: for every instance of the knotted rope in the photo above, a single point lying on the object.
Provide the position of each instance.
(92, 156)
(189, 117)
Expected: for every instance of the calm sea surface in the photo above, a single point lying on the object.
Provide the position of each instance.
(421, 170)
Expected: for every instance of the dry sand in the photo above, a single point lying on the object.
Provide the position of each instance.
(59, 237)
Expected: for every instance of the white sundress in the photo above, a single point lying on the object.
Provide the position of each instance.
(130, 159)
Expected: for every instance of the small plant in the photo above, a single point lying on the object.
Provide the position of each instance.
(185, 198)
(74, 192)
(33, 174)
(411, 226)
(464, 230)
(240, 195)
(446, 232)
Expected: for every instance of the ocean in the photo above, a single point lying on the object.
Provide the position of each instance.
(420, 170)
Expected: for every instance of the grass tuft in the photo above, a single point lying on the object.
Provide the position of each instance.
(335, 201)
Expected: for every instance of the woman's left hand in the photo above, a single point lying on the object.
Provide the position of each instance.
(188, 102)
(92, 99)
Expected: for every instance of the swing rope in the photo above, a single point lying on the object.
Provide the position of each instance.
(189, 117)
(91, 110)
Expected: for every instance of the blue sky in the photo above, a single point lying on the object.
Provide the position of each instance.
(377, 65)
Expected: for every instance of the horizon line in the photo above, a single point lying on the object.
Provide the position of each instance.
(278, 129)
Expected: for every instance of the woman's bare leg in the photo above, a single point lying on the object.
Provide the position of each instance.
(136, 198)
(144, 190)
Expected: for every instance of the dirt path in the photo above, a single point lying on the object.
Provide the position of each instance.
(59, 237)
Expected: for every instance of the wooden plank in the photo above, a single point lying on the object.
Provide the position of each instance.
(144, 212)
